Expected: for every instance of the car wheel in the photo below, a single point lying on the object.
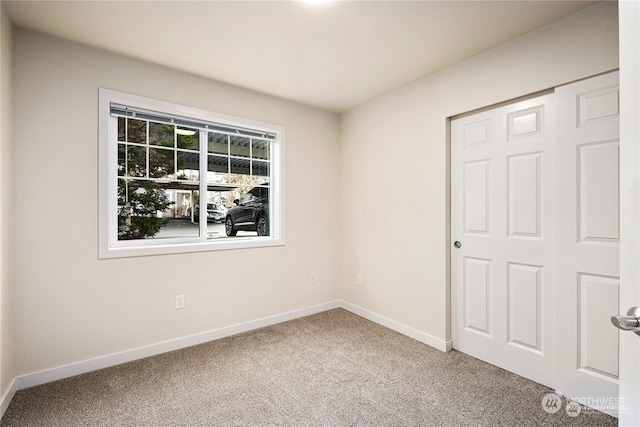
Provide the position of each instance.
(228, 227)
(262, 226)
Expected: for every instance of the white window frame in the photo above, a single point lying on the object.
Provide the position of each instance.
(111, 247)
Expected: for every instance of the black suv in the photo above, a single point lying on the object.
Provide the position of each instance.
(250, 214)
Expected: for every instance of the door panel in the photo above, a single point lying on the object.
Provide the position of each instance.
(476, 133)
(524, 193)
(525, 123)
(598, 187)
(477, 197)
(525, 302)
(597, 296)
(598, 106)
(477, 301)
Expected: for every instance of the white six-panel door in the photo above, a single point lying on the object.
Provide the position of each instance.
(588, 240)
(534, 205)
(502, 215)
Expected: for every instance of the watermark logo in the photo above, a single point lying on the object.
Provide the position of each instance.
(572, 408)
(551, 403)
(602, 404)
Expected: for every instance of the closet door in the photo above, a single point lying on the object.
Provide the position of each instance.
(502, 209)
(588, 240)
(535, 217)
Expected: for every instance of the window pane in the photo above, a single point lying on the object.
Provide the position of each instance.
(227, 198)
(161, 164)
(218, 143)
(122, 129)
(260, 172)
(240, 180)
(137, 131)
(161, 134)
(239, 146)
(262, 193)
(251, 216)
(260, 149)
(216, 214)
(240, 166)
(181, 216)
(240, 172)
(122, 159)
(218, 169)
(182, 197)
(141, 206)
(188, 166)
(136, 161)
(187, 138)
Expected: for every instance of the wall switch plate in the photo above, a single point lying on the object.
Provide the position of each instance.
(179, 302)
(312, 279)
(359, 279)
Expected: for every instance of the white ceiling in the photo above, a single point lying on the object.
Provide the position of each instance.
(334, 56)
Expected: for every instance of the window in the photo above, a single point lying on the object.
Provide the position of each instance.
(180, 179)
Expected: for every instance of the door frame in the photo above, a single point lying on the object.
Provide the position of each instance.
(629, 34)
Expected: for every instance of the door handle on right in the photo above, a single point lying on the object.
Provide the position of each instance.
(630, 322)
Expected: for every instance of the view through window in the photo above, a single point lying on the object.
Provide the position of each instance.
(185, 179)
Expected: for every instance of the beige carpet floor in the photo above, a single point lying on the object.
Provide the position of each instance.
(329, 369)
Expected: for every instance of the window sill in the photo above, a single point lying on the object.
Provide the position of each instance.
(180, 248)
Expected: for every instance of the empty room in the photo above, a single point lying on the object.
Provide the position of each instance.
(319, 213)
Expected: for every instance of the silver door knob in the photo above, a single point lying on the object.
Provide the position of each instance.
(630, 322)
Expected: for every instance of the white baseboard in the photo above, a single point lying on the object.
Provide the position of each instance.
(77, 368)
(7, 396)
(430, 340)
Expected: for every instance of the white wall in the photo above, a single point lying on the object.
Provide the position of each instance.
(7, 351)
(70, 306)
(394, 163)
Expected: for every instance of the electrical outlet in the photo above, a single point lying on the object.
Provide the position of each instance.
(179, 302)
(312, 279)
(359, 279)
